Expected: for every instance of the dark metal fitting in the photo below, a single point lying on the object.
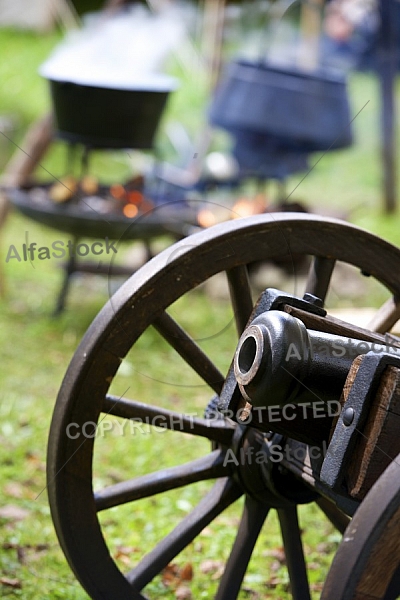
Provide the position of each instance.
(314, 300)
(348, 416)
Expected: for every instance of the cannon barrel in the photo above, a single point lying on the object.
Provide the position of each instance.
(278, 360)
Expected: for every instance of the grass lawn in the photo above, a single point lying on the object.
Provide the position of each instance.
(36, 351)
(37, 348)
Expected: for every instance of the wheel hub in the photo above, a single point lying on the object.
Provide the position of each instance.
(255, 456)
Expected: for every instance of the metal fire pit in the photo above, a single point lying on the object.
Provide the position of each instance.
(82, 217)
(101, 217)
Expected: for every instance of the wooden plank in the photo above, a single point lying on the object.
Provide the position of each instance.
(350, 378)
(333, 325)
(379, 443)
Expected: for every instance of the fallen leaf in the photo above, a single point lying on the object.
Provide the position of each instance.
(115, 476)
(123, 554)
(26, 552)
(14, 489)
(41, 547)
(183, 593)
(35, 461)
(212, 566)
(277, 553)
(186, 572)
(218, 574)
(173, 575)
(251, 593)
(13, 583)
(273, 582)
(207, 566)
(275, 566)
(12, 512)
(170, 574)
(21, 553)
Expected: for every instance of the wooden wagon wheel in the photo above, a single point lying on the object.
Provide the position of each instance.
(368, 558)
(85, 398)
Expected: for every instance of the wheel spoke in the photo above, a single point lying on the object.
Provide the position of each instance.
(240, 292)
(335, 516)
(319, 276)
(207, 467)
(386, 317)
(294, 553)
(216, 430)
(253, 517)
(224, 493)
(189, 350)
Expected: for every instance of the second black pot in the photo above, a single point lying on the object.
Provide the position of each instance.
(307, 111)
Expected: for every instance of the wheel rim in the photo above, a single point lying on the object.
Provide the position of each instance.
(370, 542)
(227, 247)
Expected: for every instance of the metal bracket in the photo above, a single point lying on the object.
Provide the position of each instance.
(352, 418)
(273, 299)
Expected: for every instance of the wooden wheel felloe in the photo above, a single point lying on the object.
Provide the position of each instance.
(94, 386)
(367, 563)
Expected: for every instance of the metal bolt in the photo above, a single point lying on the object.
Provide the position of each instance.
(348, 416)
(313, 300)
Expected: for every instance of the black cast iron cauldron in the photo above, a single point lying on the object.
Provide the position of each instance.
(307, 110)
(260, 155)
(107, 117)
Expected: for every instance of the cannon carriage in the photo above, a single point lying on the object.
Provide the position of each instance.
(305, 412)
